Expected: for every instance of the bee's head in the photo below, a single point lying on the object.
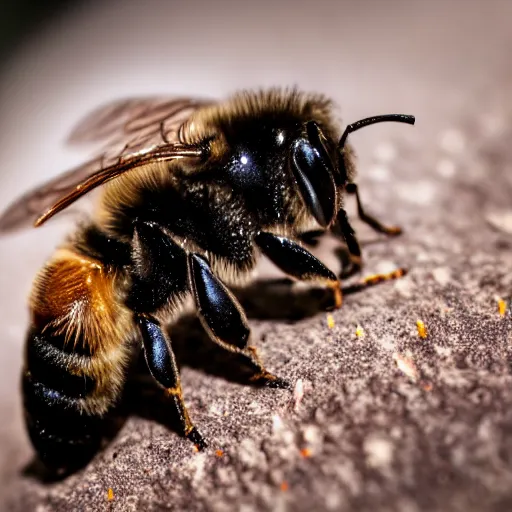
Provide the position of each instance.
(317, 174)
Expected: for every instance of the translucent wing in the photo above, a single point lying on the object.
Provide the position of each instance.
(134, 131)
(137, 122)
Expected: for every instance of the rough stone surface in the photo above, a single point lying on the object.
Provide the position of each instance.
(386, 420)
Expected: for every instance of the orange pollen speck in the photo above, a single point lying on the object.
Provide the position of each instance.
(330, 321)
(110, 494)
(502, 307)
(219, 453)
(422, 330)
(427, 386)
(284, 486)
(306, 453)
(359, 331)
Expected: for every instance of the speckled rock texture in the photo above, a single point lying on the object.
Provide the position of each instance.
(377, 417)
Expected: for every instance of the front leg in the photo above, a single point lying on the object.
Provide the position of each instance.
(298, 263)
(374, 223)
(345, 230)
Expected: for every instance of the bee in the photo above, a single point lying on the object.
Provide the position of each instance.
(192, 192)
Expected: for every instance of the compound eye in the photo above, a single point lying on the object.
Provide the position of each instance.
(317, 139)
(314, 176)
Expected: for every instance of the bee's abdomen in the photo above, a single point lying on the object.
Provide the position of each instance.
(55, 391)
(76, 354)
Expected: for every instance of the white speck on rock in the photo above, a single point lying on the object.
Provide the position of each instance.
(255, 408)
(501, 220)
(443, 351)
(453, 141)
(442, 275)
(215, 410)
(298, 394)
(379, 451)
(385, 266)
(446, 168)
(277, 423)
(418, 192)
(387, 342)
(250, 454)
(312, 435)
(197, 464)
(405, 287)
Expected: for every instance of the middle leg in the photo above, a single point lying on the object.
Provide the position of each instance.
(225, 322)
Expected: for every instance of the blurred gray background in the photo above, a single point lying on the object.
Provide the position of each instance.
(434, 59)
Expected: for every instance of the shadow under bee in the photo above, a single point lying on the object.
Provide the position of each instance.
(269, 300)
(263, 299)
(276, 299)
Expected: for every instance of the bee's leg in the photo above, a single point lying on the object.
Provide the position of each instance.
(159, 273)
(225, 321)
(344, 229)
(375, 224)
(162, 365)
(298, 263)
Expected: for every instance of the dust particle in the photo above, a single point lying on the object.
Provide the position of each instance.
(406, 366)
(379, 451)
(298, 394)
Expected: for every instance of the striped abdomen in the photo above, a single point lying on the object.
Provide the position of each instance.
(76, 354)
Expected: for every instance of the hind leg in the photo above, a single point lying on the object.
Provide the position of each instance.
(374, 223)
(162, 365)
(159, 277)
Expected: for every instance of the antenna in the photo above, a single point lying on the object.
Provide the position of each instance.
(398, 118)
